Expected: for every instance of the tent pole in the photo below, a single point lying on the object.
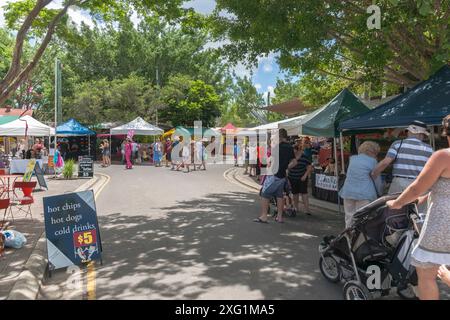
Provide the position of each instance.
(433, 140)
(342, 152)
(336, 173)
(89, 139)
(110, 154)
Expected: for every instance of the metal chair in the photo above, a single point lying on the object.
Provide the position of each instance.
(24, 201)
(4, 205)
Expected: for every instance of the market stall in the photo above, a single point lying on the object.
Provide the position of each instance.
(25, 126)
(428, 102)
(138, 127)
(324, 123)
(75, 138)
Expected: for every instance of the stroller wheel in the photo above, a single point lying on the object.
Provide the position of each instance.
(354, 290)
(330, 268)
(407, 293)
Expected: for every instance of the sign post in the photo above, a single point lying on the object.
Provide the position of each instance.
(85, 167)
(71, 228)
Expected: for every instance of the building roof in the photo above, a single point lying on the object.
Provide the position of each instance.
(289, 108)
(15, 112)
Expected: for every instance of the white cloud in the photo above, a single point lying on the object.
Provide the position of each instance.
(78, 16)
(258, 86)
(268, 68)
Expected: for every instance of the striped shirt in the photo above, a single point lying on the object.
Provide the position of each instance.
(297, 172)
(411, 159)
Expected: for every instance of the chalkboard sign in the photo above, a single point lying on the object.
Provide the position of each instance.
(40, 176)
(85, 167)
(71, 228)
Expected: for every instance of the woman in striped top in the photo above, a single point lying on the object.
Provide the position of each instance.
(298, 177)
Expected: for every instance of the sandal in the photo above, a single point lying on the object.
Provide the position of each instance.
(259, 220)
(279, 221)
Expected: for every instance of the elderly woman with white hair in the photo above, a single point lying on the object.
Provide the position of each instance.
(359, 188)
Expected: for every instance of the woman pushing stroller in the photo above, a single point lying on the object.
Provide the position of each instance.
(433, 249)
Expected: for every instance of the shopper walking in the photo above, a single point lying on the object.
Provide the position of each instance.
(408, 157)
(433, 248)
(168, 151)
(360, 188)
(128, 153)
(298, 178)
(157, 154)
(106, 153)
(274, 184)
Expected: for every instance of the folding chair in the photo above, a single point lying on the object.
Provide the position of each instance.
(4, 205)
(26, 200)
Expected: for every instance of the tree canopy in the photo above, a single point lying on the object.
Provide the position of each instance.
(332, 37)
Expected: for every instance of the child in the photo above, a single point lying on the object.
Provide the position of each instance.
(58, 160)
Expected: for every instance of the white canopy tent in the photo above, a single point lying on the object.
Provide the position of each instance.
(18, 128)
(292, 125)
(140, 128)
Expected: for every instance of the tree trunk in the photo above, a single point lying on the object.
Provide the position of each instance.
(20, 38)
(12, 84)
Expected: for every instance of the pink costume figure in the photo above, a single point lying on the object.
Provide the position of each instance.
(128, 153)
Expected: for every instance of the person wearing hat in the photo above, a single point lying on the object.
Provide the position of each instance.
(408, 157)
(431, 254)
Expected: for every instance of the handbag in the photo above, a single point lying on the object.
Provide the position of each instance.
(389, 176)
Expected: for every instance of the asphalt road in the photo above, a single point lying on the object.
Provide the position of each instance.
(176, 235)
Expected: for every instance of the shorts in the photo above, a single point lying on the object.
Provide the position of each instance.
(298, 186)
(274, 189)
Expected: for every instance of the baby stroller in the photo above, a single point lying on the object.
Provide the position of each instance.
(373, 255)
(287, 197)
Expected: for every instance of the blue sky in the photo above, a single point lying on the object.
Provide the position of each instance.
(264, 76)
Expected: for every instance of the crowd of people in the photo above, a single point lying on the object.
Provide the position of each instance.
(191, 155)
(418, 174)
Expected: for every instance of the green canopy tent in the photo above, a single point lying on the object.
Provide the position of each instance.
(7, 119)
(325, 122)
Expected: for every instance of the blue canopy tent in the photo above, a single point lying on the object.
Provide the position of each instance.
(429, 102)
(74, 128)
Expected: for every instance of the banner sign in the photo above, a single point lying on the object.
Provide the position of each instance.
(29, 171)
(85, 167)
(71, 228)
(326, 182)
(40, 176)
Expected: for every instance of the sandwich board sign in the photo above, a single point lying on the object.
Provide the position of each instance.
(71, 228)
(40, 176)
(85, 167)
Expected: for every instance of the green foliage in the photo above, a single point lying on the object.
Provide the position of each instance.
(331, 38)
(68, 169)
(245, 99)
(188, 100)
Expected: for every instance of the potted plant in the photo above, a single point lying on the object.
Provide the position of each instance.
(68, 169)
